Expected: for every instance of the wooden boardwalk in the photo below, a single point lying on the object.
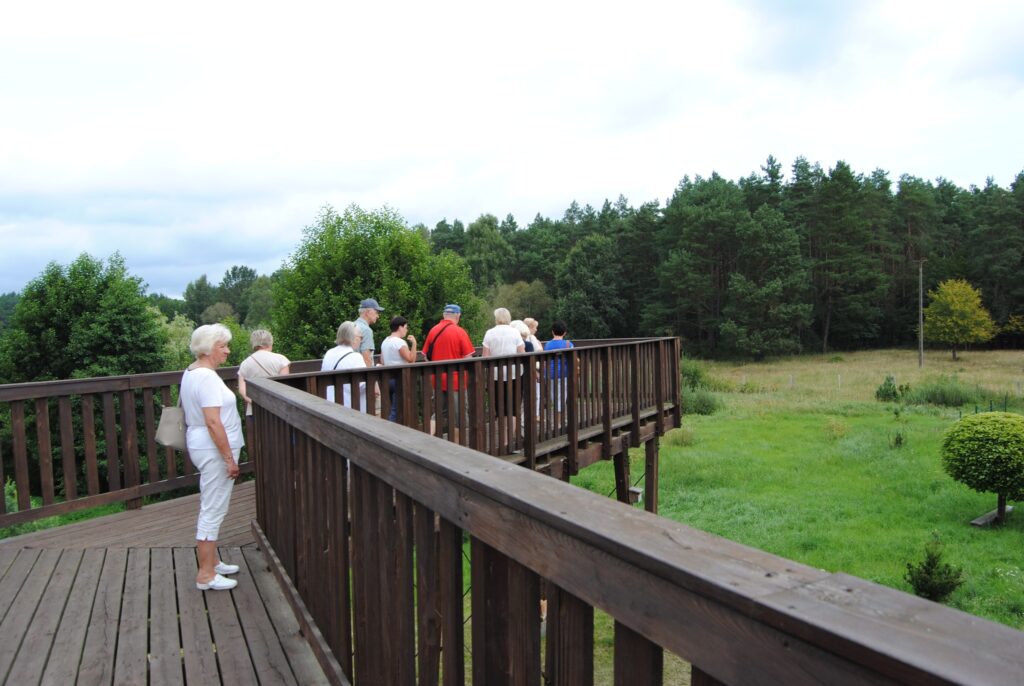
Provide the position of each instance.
(113, 600)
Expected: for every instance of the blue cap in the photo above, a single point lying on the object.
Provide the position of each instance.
(370, 304)
(452, 309)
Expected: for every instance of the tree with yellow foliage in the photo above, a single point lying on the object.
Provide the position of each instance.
(955, 315)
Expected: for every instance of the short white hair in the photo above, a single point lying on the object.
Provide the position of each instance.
(522, 328)
(260, 338)
(502, 316)
(347, 333)
(205, 337)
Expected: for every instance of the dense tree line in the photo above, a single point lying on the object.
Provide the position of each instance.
(760, 266)
(763, 265)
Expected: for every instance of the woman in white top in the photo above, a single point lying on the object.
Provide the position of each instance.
(262, 364)
(345, 355)
(395, 351)
(214, 440)
(503, 340)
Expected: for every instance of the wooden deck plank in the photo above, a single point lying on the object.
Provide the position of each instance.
(28, 667)
(196, 641)
(70, 639)
(130, 661)
(15, 625)
(101, 634)
(232, 653)
(164, 644)
(300, 656)
(14, 577)
(268, 657)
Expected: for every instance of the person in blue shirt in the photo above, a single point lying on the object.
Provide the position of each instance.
(558, 369)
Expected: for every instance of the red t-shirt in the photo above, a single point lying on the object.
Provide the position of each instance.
(450, 342)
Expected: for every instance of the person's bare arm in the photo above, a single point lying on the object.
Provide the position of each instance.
(241, 390)
(287, 369)
(409, 354)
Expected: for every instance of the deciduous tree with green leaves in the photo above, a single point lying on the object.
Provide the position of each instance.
(89, 318)
(956, 317)
(358, 254)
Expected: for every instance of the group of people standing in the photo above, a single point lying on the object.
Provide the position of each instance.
(214, 434)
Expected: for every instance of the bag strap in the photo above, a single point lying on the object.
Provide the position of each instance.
(342, 358)
(261, 366)
(430, 348)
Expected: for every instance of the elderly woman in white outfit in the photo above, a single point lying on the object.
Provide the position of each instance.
(214, 439)
(346, 355)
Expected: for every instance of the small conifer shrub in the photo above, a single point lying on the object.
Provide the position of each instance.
(932, 578)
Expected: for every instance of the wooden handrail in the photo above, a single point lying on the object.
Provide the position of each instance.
(78, 443)
(345, 497)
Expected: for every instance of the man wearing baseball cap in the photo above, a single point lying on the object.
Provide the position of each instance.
(369, 313)
(448, 341)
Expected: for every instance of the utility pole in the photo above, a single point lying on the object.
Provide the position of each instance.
(920, 313)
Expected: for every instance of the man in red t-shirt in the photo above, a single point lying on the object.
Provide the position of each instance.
(448, 341)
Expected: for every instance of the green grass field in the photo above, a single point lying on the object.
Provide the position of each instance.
(802, 463)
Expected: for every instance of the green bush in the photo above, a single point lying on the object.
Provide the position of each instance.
(932, 578)
(692, 373)
(986, 452)
(699, 401)
(890, 392)
(945, 391)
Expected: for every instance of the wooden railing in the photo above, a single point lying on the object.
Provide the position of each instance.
(104, 429)
(366, 523)
(586, 403)
(74, 444)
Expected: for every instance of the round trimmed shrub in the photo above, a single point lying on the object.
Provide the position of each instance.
(986, 452)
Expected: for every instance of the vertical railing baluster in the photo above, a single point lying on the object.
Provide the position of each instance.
(570, 639)
(45, 450)
(19, 445)
(67, 448)
(638, 661)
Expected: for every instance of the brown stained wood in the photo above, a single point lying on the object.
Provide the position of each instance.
(101, 633)
(130, 445)
(92, 478)
(634, 384)
(165, 662)
(130, 661)
(19, 566)
(606, 401)
(301, 660)
(45, 455)
(19, 448)
(36, 642)
(428, 597)
(637, 661)
(268, 658)
(699, 678)
(68, 642)
(314, 638)
(622, 482)
(570, 638)
(573, 411)
(3, 480)
(67, 449)
(111, 440)
(452, 635)
(200, 659)
(366, 579)
(524, 625)
(149, 423)
(19, 616)
(398, 595)
(651, 475)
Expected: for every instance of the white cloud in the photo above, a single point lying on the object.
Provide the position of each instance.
(200, 135)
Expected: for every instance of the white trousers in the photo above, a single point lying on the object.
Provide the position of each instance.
(214, 491)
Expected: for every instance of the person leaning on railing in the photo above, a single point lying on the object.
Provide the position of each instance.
(214, 440)
(395, 351)
(346, 355)
(262, 364)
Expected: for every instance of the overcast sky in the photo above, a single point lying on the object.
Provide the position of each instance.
(191, 136)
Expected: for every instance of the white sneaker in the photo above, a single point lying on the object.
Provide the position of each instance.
(217, 583)
(225, 569)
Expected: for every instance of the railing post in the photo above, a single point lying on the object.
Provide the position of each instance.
(638, 662)
(477, 436)
(634, 394)
(130, 446)
(20, 449)
(651, 475)
(45, 449)
(573, 410)
(67, 449)
(606, 401)
(529, 381)
(570, 639)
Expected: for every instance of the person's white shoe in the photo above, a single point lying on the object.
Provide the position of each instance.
(225, 569)
(217, 583)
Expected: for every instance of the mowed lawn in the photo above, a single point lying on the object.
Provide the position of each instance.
(801, 462)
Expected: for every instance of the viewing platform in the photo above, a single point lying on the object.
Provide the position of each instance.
(405, 554)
